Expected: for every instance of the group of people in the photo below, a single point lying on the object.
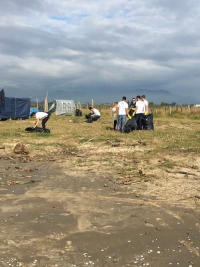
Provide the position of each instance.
(44, 116)
(121, 110)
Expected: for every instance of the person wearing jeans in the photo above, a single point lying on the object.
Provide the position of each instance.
(95, 114)
(122, 110)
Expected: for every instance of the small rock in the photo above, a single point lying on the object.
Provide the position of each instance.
(20, 149)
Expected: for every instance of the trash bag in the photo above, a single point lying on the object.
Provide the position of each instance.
(88, 116)
(78, 112)
(147, 122)
(130, 125)
(37, 129)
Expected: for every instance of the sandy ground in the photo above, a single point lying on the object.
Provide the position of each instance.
(54, 215)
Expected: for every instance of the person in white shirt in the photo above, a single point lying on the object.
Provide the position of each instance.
(139, 111)
(122, 110)
(146, 104)
(95, 114)
(114, 115)
(40, 116)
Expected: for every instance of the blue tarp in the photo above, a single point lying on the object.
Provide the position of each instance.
(15, 108)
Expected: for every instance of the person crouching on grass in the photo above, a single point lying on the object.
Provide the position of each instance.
(95, 114)
(40, 116)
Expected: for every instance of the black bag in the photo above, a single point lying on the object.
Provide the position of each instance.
(78, 112)
(37, 129)
(88, 116)
(147, 122)
(89, 120)
(130, 125)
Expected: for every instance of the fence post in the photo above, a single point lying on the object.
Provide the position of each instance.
(37, 103)
(181, 108)
(170, 110)
(189, 110)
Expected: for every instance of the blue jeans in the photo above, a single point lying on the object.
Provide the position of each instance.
(121, 122)
(95, 117)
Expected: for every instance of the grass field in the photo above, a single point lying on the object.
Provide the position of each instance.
(172, 140)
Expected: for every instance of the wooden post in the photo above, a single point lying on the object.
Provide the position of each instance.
(36, 103)
(181, 108)
(189, 108)
(170, 110)
(46, 106)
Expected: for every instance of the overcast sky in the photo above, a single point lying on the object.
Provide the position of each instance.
(100, 49)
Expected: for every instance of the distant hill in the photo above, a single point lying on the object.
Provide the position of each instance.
(158, 96)
(155, 96)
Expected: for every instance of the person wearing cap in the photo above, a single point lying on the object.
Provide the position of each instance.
(122, 110)
(40, 116)
(95, 114)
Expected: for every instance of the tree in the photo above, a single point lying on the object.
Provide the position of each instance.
(164, 104)
(151, 104)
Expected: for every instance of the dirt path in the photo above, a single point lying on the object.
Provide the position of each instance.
(53, 214)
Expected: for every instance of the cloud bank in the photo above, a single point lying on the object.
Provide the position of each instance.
(99, 49)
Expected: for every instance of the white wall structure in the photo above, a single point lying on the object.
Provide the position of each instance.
(65, 107)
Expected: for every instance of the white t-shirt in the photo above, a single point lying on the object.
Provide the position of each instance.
(114, 113)
(145, 105)
(122, 105)
(41, 115)
(140, 107)
(96, 112)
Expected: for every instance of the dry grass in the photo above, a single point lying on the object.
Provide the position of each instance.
(171, 151)
(73, 135)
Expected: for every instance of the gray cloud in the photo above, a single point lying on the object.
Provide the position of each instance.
(99, 49)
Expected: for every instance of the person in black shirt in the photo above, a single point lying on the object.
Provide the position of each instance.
(133, 103)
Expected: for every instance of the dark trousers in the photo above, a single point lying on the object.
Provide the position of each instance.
(115, 124)
(44, 121)
(139, 118)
